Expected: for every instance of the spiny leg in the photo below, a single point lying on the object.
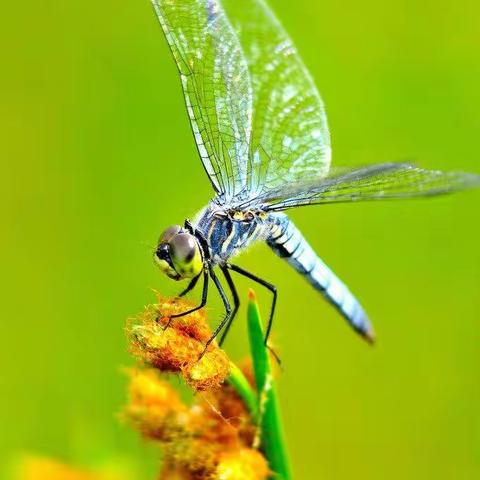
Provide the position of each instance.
(228, 310)
(267, 285)
(202, 303)
(236, 303)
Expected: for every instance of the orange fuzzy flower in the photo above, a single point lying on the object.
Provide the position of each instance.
(209, 371)
(171, 472)
(212, 438)
(178, 344)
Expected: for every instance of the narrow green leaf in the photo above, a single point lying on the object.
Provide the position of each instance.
(238, 381)
(271, 430)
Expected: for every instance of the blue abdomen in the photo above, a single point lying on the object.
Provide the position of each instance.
(287, 241)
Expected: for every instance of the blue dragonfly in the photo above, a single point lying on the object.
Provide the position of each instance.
(261, 133)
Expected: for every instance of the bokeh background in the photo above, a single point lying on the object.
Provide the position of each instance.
(97, 158)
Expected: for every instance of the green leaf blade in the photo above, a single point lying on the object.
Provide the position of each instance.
(271, 430)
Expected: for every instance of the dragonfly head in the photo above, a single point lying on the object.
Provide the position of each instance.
(178, 254)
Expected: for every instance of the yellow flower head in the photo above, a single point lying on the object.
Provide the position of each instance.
(33, 467)
(242, 464)
(153, 405)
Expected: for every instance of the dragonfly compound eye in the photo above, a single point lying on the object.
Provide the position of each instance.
(185, 255)
(169, 233)
(164, 262)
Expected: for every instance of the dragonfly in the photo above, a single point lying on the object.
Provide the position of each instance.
(261, 132)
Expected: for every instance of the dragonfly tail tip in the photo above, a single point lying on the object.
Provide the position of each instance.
(369, 336)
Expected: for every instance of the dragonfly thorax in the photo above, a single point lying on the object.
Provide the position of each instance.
(229, 231)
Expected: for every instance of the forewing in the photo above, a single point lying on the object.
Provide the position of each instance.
(375, 182)
(216, 86)
(290, 138)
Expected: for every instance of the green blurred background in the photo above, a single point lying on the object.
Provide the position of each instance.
(97, 158)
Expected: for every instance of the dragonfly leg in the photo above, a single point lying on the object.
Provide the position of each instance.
(202, 303)
(228, 311)
(236, 303)
(190, 286)
(265, 284)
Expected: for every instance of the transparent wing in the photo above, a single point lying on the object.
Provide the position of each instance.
(290, 138)
(216, 86)
(375, 182)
